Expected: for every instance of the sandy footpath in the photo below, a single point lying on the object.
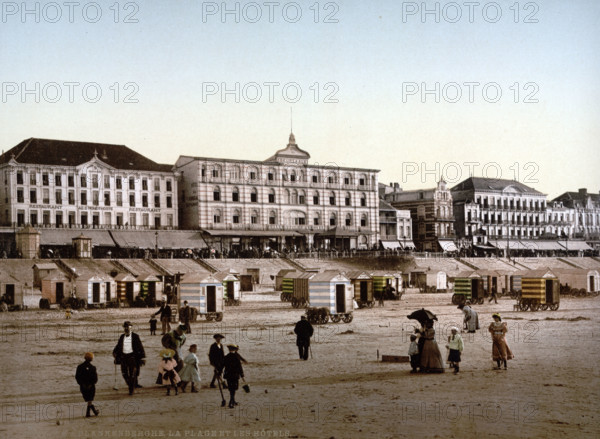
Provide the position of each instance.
(551, 388)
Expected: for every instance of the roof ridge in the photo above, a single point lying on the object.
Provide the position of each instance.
(25, 147)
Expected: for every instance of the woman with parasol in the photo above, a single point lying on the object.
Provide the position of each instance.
(431, 357)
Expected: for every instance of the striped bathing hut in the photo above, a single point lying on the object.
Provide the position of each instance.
(203, 292)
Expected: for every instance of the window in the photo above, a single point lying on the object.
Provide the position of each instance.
(144, 200)
(132, 219)
(254, 218)
(119, 198)
(347, 200)
(119, 183)
(107, 198)
(169, 201)
(58, 197)
(45, 180)
(363, 221)
(131, 183)
(270, 176)
(71, 180)
(316, 199)
(19, 177)
(84, 198)
(59, 219)
(145, 219)
(157, 201)
(300, 221)
(252, 175)
(348, 220)
(144, 184)
(217, 217)
(95, 198)
(34, 219)
(32, 178)
(107, 219)
(33, 196)
(46, 217)
(57, 180)
(332, 220)
(45, 196)
(330, 179)
(361, 181)
(20, 217)
(301, 199)
(236, 217)
(316, 221)
(95, 178)
(20, 197)
(332, 199)
(235, 195)
(272, 218)
(119, 219)
(254, 196)
(363, 200)
(157, 184)
(71, 197)
(169, 220)
(215, 173)
(346, 180)
(131, 199)
(293, 177)
(216, 194)
(315, 178)
(272, 197)
(169, 185)
(83, 180)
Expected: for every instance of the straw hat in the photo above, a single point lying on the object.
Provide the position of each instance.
(233, 347)
(166, 353)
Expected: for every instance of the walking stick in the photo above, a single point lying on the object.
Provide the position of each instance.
(115, 380)
(221, 390)
(310, 349)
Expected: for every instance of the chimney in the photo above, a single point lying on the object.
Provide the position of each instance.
(583, 192)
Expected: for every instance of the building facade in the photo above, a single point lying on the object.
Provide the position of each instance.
(586, 211)
(282, 203)
(64, 184)
(431, 213)
(395, 227)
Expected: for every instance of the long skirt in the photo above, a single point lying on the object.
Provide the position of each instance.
(454, 356)
(500, 349)
(431, 358)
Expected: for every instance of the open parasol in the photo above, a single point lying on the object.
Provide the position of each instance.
(422, 315)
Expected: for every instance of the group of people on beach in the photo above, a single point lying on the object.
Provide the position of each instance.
(425, 355)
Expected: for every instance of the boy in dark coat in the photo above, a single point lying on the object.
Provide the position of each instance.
(233, 372)
(87, 378)
(216, 356)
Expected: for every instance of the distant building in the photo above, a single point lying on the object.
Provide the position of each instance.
(395, 227)
(586, 214)
(282, 203)
(494, 211)
(431, 213)
(57, 183)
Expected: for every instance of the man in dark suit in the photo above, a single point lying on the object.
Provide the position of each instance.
(304, 332)
(129, 353)
(165, 316)
(186, 316)
(216, 356)
(233, 372)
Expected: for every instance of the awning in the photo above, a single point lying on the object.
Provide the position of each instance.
(574, 245)
(408, 245)
(242, 233)
(447, 246)
(138, 239)
(542, 245)
(390, 244)
(65, 237)
(512, 245)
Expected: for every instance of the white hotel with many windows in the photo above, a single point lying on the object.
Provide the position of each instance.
(53, 183)
(280, 202)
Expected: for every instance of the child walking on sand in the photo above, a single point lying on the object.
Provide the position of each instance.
(413, 352)
(455, 344)
(190, 371)
(166, 368)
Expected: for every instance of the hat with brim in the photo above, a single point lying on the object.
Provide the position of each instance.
(217, 336)
(232, 347)
(127, 324)
(496, 315)
(166, 353)
(454, 328)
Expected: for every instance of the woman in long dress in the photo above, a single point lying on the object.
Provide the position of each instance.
(190, 371)
(471, 320)
(500, 350)
(431, 357)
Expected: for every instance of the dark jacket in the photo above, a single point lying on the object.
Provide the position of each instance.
(136, 345)
(164, 311)
(304, 332)
(233, 366)
(86, 375)
(216, 356)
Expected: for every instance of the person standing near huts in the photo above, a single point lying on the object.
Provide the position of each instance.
(471, 320)
(431, 357)
(190, 372)
(186, 316)
(165, 316)
(87, 378)
(304, 331)
(500, 350)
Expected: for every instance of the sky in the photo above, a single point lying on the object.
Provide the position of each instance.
(419, 90)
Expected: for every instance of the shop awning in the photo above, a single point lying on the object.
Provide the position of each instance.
(447, 246)
(393, 245)
(542, 245)
(407, 245)
(242, 233)
(574, 245)
(512, 244)
(138, 239)
(65, 237)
